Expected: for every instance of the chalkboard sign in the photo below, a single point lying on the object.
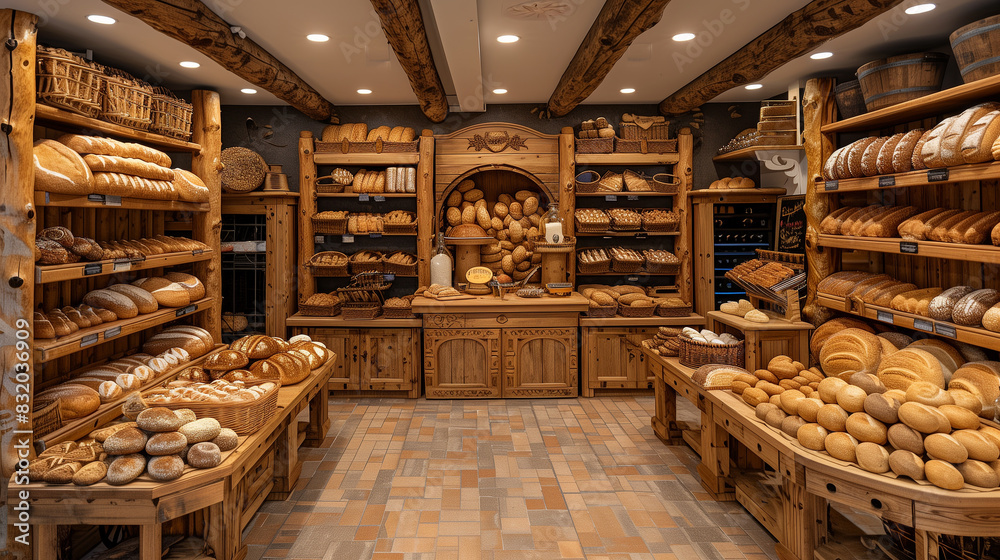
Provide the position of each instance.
(790, 236)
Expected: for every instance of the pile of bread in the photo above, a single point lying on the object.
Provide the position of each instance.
(376, 223)
(972, 136)
(743, 308)
(392, 180)
(322, 300)
(58, 245)
(596, 128)
(961, 305)
(601, 295)
(436, 291)
(665, 342)
(82, 165)
(358, 132)
(158, 442)
(756, 271)
(92, 386)
(253, 358)
(624, 219)
(733, 183)
(706, 336)
(908, 222)
(119, 301)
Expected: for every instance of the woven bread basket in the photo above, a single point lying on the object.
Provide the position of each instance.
(68, 82)
(244, 169)
(126, 100)
(587, 181)
(636, 182)
(694, 354)
(243, 417)
(611, 182)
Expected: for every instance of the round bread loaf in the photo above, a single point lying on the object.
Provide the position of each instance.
(142, 299)
(109, 391)
(256, 346)
(195, 340)
(872, 457)
(125, 469)
(978, 446)
(946, 448)
(196, 290)
(92, 473)
(791, 424)
(205, 455)
(960, 418)
(901, 369)
(167, 293)
(125, 442)
(812, 436)
(882, 408)
(783, 367)
(790, 401)
(978, 474)
(763, 409)
(943, 475)
(313, 353)
(226, 440)
(868, 382)
(775, 418)
(947, 355)
(165, 467)
(829, 387)
(128, 382)
(133, 405)
(928, 393)
(901, 436)
(754, 396)
(204, 429)
(843, 446)
(121, 306)
(865, 428)
(831, 327)
(808, 409)
(921, 417)
(851, 350)
(832, 417)
(158, 419)
(226, 360)
(851, 398)
(166, 443)
(764, 375)
(905, 463)
(186, 415)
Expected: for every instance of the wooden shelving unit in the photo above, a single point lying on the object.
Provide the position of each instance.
(632, 234)
(362, 159)
(627, 159)
(373, 197)
(60, 118)
(924, 177)
(615, 196)
(107, 202)
(687, 321)
(897, 246)
(751, 152)
(306, 321)
(45, 274)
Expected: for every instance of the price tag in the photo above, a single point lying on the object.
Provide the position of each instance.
(642, 235)
(347, 239)
(88, 340)
(909, 247)
(319, 239)
(632, 197)
(378, 198)
(112, 332)
(884, 316)
(186, 310)
(375, 235)
(112, 200)
(832, 185)
(937, 175)
(887, 181)
(945, 330)
(611, 198)
(389, 277)
(90, 197)
(92, 269)
(196, 252)
(122, 266)
(363, 197)
(923, 325)
(633, 278)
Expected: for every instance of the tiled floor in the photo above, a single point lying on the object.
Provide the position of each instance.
(501, 480)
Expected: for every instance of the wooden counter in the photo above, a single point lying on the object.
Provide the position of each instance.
(510, 303)
(777, 337)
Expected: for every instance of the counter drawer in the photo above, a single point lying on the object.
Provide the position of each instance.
(254, 487)
(850, 490)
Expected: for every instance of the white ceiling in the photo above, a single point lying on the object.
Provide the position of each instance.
(470, 59)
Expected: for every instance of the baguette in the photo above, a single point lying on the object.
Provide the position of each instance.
(128, 166)
(930, 152)
(119, 184)
(940, 232)
(973, 229)
(909, 226)
(883, 161)
(869, 159)
(109, 147)
(979, 138)
(921, 233)
(915, 301)
(888, 224)
(902, 156)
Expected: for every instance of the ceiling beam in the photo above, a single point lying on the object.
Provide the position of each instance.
(194, 23)
(456, 23)
(404, 28)
(619, 23)
(796, 35)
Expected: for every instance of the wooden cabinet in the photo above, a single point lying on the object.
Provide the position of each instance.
(462, 363)
(613, 359)
(539, 362)
(345, 372)
(374, 359)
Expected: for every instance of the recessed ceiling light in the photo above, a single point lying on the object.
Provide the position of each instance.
(248, 91)
(103, 20)
(508, 38)
(627, 90)
(920, 9)
(499, 91)
(681, 37)
(318, 37)
(821, 55)
(190, 64)
(754, 86)
(363, 91)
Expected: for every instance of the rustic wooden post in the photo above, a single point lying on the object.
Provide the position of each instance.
(685, 169)
(426, 226)
(567, 193)
(818, 110)
(307, 207)
(206, 128)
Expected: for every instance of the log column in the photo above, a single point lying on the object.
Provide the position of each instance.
(206, 130)
(819, 109)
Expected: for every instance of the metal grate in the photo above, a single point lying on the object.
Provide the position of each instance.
(244, 287)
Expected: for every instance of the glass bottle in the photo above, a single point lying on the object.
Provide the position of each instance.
(441, 264)
(552, 225)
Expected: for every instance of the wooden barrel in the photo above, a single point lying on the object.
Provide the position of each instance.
(888, 81)
(850, 102)
(976, 48)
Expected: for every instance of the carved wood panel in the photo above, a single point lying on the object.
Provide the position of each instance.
(462, 363)
(540, 363)
(344, 342)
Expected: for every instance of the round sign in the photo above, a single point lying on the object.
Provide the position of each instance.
(479, 275)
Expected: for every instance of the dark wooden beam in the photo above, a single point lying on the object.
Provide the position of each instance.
(800, 32)
(404, 28)
(618, 24)
(194, 23)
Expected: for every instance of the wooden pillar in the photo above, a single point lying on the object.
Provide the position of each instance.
(426, 226)
(685, 168)
(804, 518)
(307, 207)
(282, 301)
(206, 130)
(819, 109)
(17, 243)
(702, 211)
(567, 193)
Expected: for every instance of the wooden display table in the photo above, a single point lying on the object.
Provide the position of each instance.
(777, 337)
(264, 466)
(485, 347)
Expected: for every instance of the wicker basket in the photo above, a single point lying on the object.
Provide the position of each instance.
(975, 47)
(328, 270)
(401, 229)
(636, 182)
(398, 313)
(587, 181)
(46, 420)
(399, 147)
(400, 269)
(618, 225)
(68, 82)
(366, 287)
(357, 267)
(361, 310)
(656, 131)
(672, 224)
(645, 146)
(602, 312)
(320, 310)
(611, 182)
(243, 417)
(592, 268)
(896, 79)
(664, 311)
(127, 101)
(595, 145)
(653, 267)
(171, 116)
(592, 227)
(329, 226)
(626, 267)
(665, 183)
(694, 354)
(635, 312)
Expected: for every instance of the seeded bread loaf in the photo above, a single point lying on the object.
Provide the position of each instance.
(943, 304)
(883, 161)
(930, 152)
(902, 156)
(917, 160)
(970, 309)
(869, 158)
(977, 143)
(830, 167)
(856, 153)
(951, 142)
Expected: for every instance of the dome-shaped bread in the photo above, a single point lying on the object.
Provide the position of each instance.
(832, 327)
(949, 356)
(851, 350)
(468, 230)
(901, 369)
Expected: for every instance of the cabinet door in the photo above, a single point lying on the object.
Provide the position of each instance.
(388, 359)
(343, 342)
(638, 369)
(462, 363)
(605, 363)
(540, 363)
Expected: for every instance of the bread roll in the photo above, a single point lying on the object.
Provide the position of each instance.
(124, 442)
(829, 387)
(930, 153)
(978, 446)
(120, 305)
(851, 398)
(843, 446)
(946, 448)
(791, 424)
(158, 419)
(205, 455)
(808, 409)
(978, 473)
(109, 391)
(832, 417)
(165, 467)
(959, 417)
(167, 293)
(966, 400)
(226, 440)
(754, 396)
(62, 473)
(865, 428)
(943, 475)
(868, 382)
(790, 401)
(882, 408)
(204, 429)
(928, 394)
(920, 417)
(851, 350)
(872, 457)
(775, 418)
(906, 463)
(902, 156)
(166, 443)
(91, 473)
(901, 436)
(58, 169)
(102, 434)
(812, 436)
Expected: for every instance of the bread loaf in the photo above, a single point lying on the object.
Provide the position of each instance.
(920, 417)
(194, 340)
(862, 216)
(189, 187)
(255, 347)
(107, 146)
(812, 436)
(158, 419)
(167, 293)
(887, 224)
(970, 309)
(941, 306)
(919, 229)
(58, 169)
(927, 393)
(869, 158)
(165, 467)
(205, 455)
(142, 299)
(930, 153)
(946, 448)
(872, 457)
(906, 463)
(851, 350)
(204, 429)
(62, 473)
(288, 367)
(978, 381)
(196, 290)
(915, 301)
(119, 304)
(91, 473)
(226, 440)
(226, 360)
(974, 229)
(883, 161)
(831, 327)
(125, 441)
(128, 166)
(855, 154)
(978, 446)
(902, 156)
(918, 157)
(166, 443)
(952, 139)
(832, 223)
(75, 401)
(941, 230)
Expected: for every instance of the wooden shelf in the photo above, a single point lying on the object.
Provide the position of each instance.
(300, 320)
(358, 159)
(751, 152)
(935, 249)
(778, 191)
(369, 235)
(655, 321)
(48, 350)
(971, 172)
(627, 159)
(625, 194)
(952, 99)
(43, 198)
(775, 323)
(74, 271)
(971, 335)
(371, 196)
(634, 234)
(46, 114)
(578, 273)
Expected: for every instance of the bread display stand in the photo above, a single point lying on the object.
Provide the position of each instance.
(265, 466)
(763, 341)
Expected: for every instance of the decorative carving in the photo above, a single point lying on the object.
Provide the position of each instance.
(496, 141)
(568, 392)
(462, 393)
(778, 163)
(452, 321)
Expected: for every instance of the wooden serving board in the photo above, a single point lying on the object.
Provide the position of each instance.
(448, 298)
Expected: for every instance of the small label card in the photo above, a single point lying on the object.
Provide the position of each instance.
(363, 197)
(923, 325)
(185, 310)
(832, 185)
(888, 181)
(378, 198)
(88, 340)
(909, 247)
(112, 332)
(632, 197)
(95, 268)
(884, 316)
(945, 330)
(937, 175)
(319, 239)
(347, 239)
(611, 198)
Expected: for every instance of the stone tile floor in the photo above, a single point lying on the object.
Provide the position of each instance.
(401, 479)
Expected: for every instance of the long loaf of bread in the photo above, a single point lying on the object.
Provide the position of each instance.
(923, 232)
(830, 167)
(883, 162)
(128, 166)
(951, 140)
(859, 226)
(887, 225)
(915, 301)
(119, 184)
(832, 223)
(930, 152)
(110, 147)
(917, 160)
(883, 297)
(913, 226)
(862, 216)
(979, 138)
(974, 229)
(902, 156)
(869, 159)
(940, 232)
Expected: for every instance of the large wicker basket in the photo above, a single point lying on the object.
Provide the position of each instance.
(592, 268)
(665, 183)
(329, 226)
(672, 223)
(171, 116)
(328, 270)
(243, 417)
(361, 310)
(320, 310)
(587, 181)
(595, 145)
(46, 420)
(358, 266)
(602, 312)
(635, 312)
(400, 269)
(695, 354)
(126, 100)
(68, 82)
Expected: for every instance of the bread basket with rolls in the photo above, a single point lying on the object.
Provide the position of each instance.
(243, 417)
(328, 263)
(698, 348)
